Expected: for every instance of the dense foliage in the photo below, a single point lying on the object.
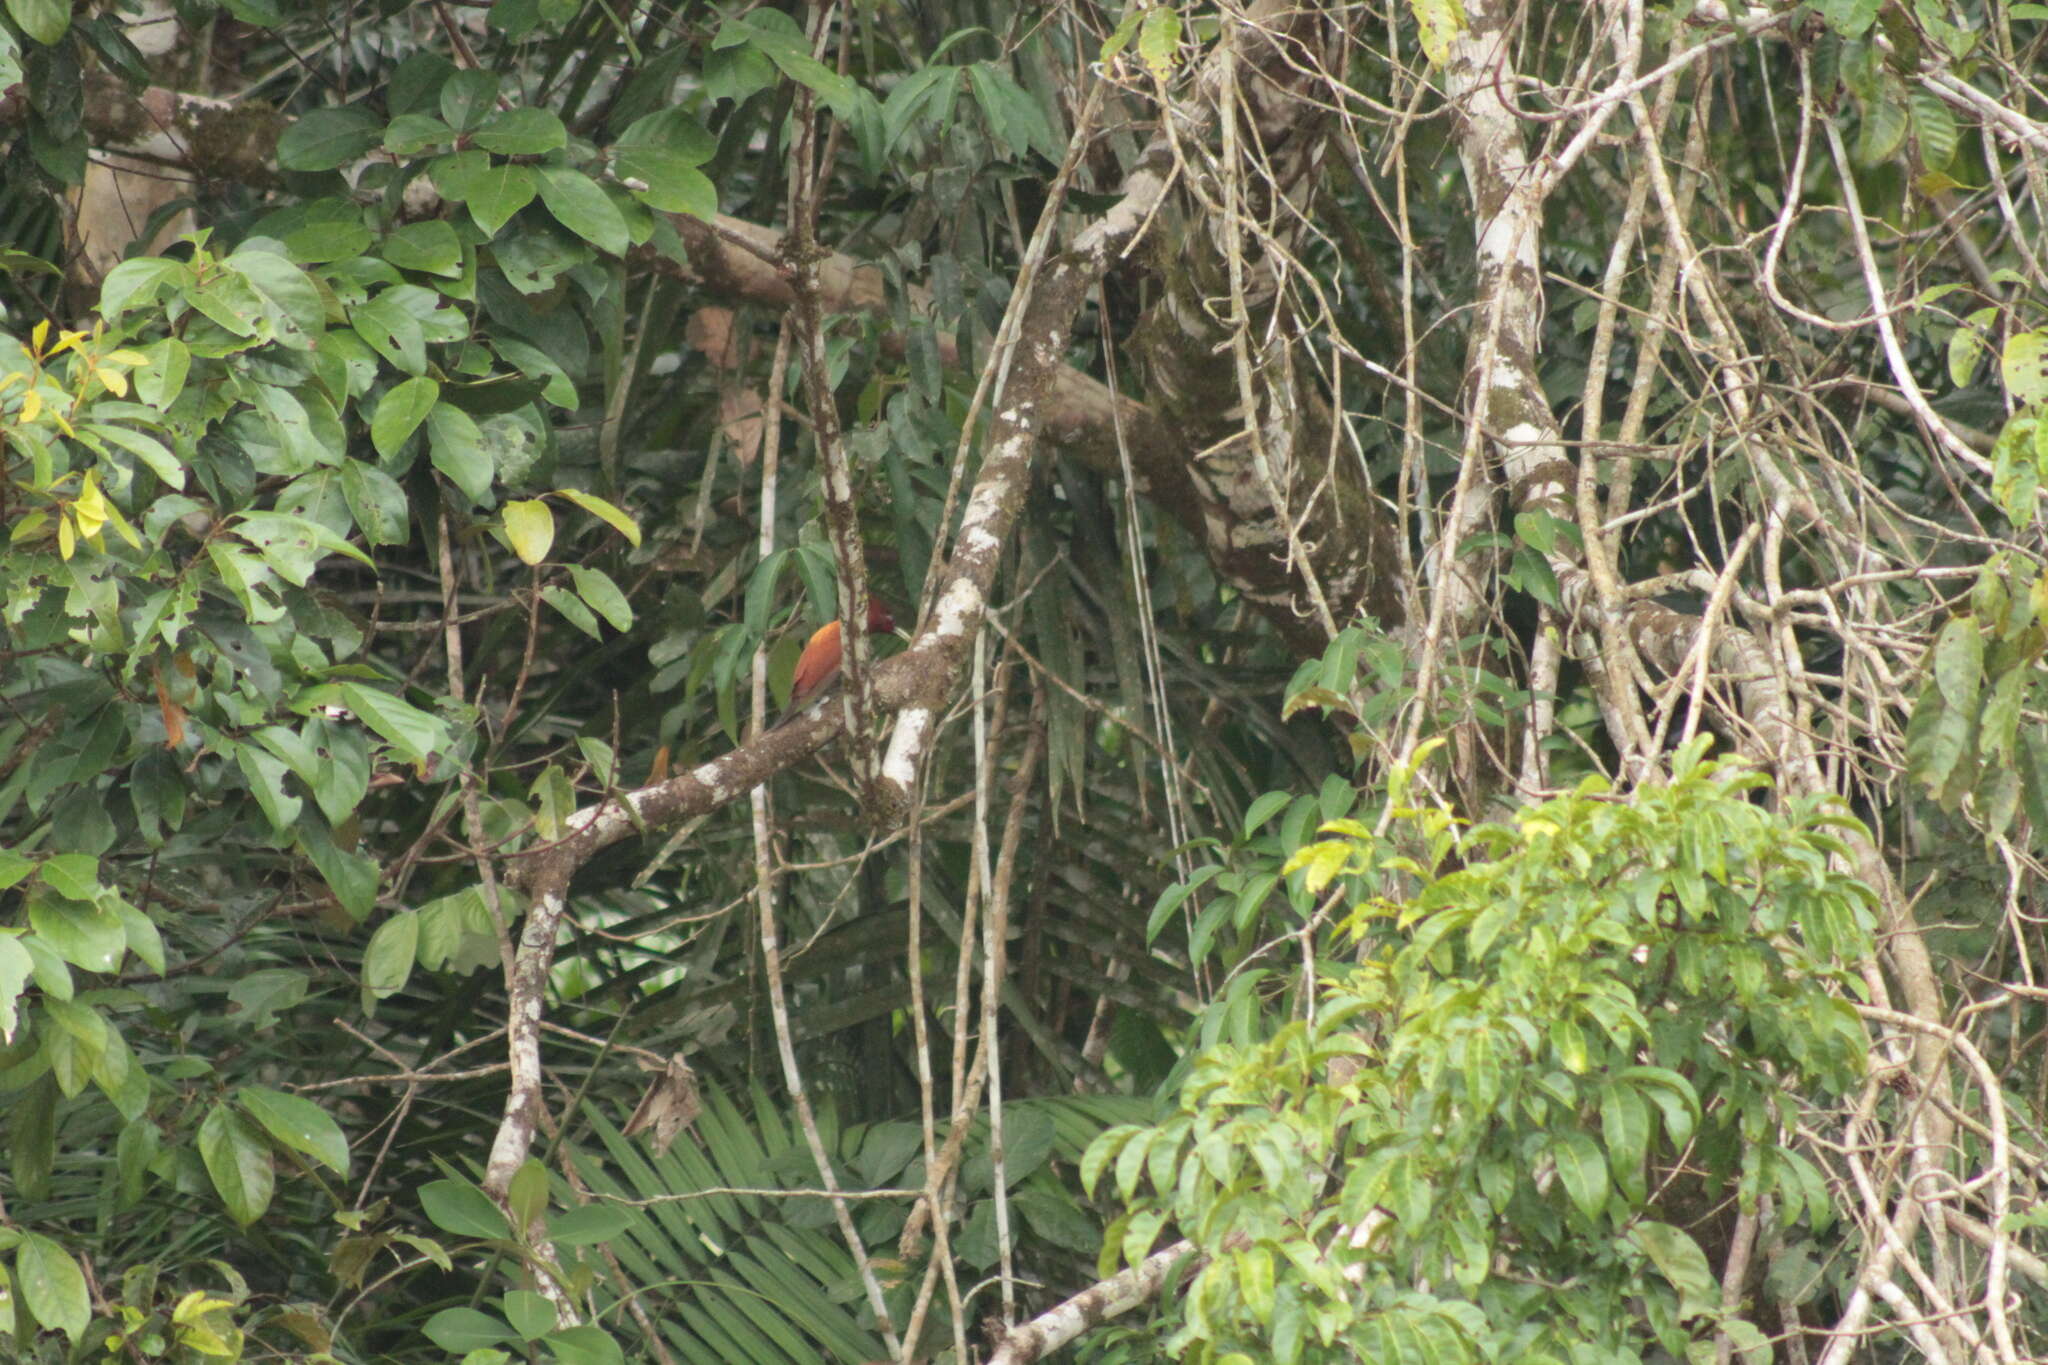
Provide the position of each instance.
(1464, 776)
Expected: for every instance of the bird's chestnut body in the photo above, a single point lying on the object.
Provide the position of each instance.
(817, 668)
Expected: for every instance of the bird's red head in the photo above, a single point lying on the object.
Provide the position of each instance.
(879, 619)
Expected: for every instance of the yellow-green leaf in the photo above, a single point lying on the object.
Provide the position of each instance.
(530, 526)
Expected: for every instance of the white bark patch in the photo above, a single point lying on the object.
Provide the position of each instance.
(962, 602)
(1506, 238)
(899, 765)
(1506, 374)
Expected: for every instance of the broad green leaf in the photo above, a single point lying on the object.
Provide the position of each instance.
(1158, 46)
(458, 451)
(572, 609)
(527, 1196)
(466, 1329)
(152, 452)
(392, 331)
(666, 180)
(1681, 1262)
(430, 247)
(530, 1314)
(400, 411)
(461, 1208)
(1883, 132)
(584, 1345)
(52, 1286)
(324, 139)
(521, 132)
(1934, 128)
(81, 932)
(45, 21)
(411, 133)
(15, 968)
(1966, 345)
(497, 192)
(73, 875)
(388, 961)
(239, 1162)
(376, 501)
(596, 588)
(1959, 661)
(588, 1224)
(579, 205)
(2024, 367)
(1582, 1170)
(299, 1124)
(467, 97)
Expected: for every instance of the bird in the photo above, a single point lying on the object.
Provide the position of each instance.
(817, 668)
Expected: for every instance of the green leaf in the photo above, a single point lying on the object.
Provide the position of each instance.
(531, 1315)
(1159, 41)
(239, 1162)
(261, 994)
(324, 139)
(52, 1285)
(1681, 1262)
(461, 1208)
(521, 132)
(530, 526)
(1850, 18)
(465, 1329)
(467, 97)
(430, 247)
(1625, 1128)
(666, 180)
(1934, 128)
(496, 193)
(73, 875)
(589, 1225)
(527, 1196)
(15, 968)
(81, 932)
(584, 1344)
(1439, 22)
(293, 545)
(139, 283)
(596, 588)
(579, 205)
(376, 501)
(604, 511)
(1959, 661)
(2024, 367)
(458, 451)
(148, 449)
(411, 133)
(76, 1046)
(572, 610)
(400, 411)
(392, 332)
(1885, 121)
(299, 1124)
(388, 961)
(1966, 345)
(46, 22)
(1583, 1170)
